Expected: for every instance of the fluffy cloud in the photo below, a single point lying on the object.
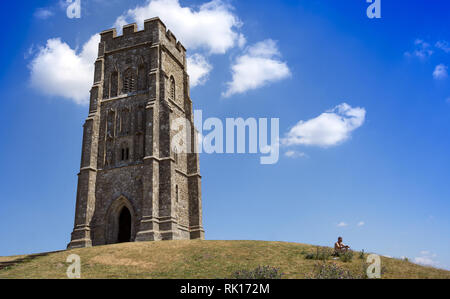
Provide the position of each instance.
(440, 72)
(345, 224)
(58, 70)
(422, 50)
(259, 66)
(426, 258)
(295, 154)
(241, 41)
(43, 13)
(198, 69)
(212, 26)
(423, 260)
(443, 45)
(328, 129)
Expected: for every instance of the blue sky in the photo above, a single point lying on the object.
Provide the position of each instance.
(376, 172)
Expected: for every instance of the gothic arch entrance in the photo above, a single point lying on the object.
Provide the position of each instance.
(124, 234)
(120, 222)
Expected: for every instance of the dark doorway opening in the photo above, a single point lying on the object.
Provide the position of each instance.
(124, 226)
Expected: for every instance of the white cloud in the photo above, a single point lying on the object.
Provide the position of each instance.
(422, 50)
(342, 224)
(361, 223)
(212, 26)
(241, 41)
(328, 129)
(295, 154)
(30, 52)
(443, 45)
(440, 72)
(198, 69)
(426, 258)
(43, 13)
(58, 70)
(259, 66)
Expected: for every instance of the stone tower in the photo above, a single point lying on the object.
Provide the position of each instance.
(132, 185)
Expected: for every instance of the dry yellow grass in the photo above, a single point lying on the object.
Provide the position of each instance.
(10, 258)
(197, 259)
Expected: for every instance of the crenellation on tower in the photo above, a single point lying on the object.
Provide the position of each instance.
(154, 32)
(132, 186)
(129, 29)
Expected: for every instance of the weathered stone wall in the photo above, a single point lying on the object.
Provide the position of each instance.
(122, 123)
(111, 185)
(172, 68)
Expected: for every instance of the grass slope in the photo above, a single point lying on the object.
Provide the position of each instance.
(195, 259)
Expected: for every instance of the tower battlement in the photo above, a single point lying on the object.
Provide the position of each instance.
(155, 32)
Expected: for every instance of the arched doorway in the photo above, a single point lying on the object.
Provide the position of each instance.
(124, 226)
(120, 222)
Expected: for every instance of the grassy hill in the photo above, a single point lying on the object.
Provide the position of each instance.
(195, 259)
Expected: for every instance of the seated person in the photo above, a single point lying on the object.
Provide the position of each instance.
(340, 247)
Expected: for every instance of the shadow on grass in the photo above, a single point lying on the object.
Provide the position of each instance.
(9, 264)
